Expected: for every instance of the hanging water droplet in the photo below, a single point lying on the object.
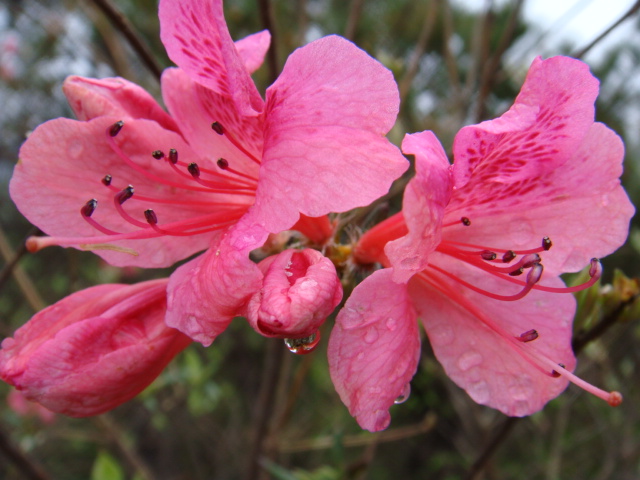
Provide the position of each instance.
(302, 346)
(404, 396)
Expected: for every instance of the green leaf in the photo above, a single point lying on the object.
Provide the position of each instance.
(106, 468)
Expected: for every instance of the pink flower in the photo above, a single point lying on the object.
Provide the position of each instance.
(25, 408)
(543, 172)
(92, 350)
(224, 169)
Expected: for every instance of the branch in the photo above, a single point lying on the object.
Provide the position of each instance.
(121, 23)
(30, 470)
(266, 15)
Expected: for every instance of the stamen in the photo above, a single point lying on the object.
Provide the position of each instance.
(488, 255)
(465, 221)
(115, 128)
(546, 243)
(124, 195)
(194, 170)
(528, 336)
(151, 217)
(173, 156)
(89, 207)
(157, 154)
(517, 272)
(220, 130)
(106, 180)
(508, 256)
(222, 163)
(595, 271)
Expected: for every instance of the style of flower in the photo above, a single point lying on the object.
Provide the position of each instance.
(141, 187)
(537, 186)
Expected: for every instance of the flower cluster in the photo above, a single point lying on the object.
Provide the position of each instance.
(475, 254)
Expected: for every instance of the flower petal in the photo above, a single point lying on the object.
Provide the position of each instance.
(549, 119)
(253, 48)
(195, 108)
(491, 367)
(300, 289)
(90, 98)
(93, 350)
(205, 294)
(580, 206)
(374, 349)
(61, 167)
(324, 147)
(424, 202)
(197, 39)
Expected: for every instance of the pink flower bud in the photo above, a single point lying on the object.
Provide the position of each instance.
(299, 291)
(92, 350)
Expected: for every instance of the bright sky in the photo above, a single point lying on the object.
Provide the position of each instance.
(577, 21)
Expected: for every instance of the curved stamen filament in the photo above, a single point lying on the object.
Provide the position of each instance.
(220, 130)
(167, 201)
(532, 278)
(480, 248)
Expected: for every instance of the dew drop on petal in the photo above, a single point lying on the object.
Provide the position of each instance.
(479, 391)
(404, 396)
(302, 346)
(391, 324)
(469, 360)
(441, 335)
(371, 335)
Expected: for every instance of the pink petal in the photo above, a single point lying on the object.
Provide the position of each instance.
(253, 48)
(324, 146)
(205, 294)
(580, 206)
(540, 132)
(93, 350)
(90, 98)
(197, 39)
(486, 364)
(61, 167)
(374, 349)
(26, 408)
(424, 202)
(300, 289)
(195, 108)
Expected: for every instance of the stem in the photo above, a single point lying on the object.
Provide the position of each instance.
(632, 11)
(266, 16)
(354, 16)
(121, 23)
(30, 470)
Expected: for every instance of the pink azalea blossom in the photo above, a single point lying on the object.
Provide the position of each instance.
(537, 186)
(221, 170)
(92, 350)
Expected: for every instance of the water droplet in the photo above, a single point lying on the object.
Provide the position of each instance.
(441, 335)
(404, 396)
(391, 324)
(479, 391)
(410, 263)
(75, 150)
(371, 335)
(469, 360)
(302, 346)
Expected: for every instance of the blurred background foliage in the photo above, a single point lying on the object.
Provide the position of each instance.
(246, 408)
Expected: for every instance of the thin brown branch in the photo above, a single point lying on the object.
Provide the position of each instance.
(121, 23)
(268, 21)
(361, 439)
(28, 469)
(22, 279)
(449, 58)
(500, 436)
(631, 12)
(491, 68)
(355, 12)
(419, 50)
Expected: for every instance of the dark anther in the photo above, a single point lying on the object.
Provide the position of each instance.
(546, 243)
(157, 154)
(124, 195)
(217, 127)
(173, 156)
(488, 255)
(517, 272)
(534, 260)
(151, 217)
(507, 257)
(115, 128)
(465, 221)
(528, 336)
(556, 374)
(89, 207)
(106, 180)
(223, 163)
(194, 170)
